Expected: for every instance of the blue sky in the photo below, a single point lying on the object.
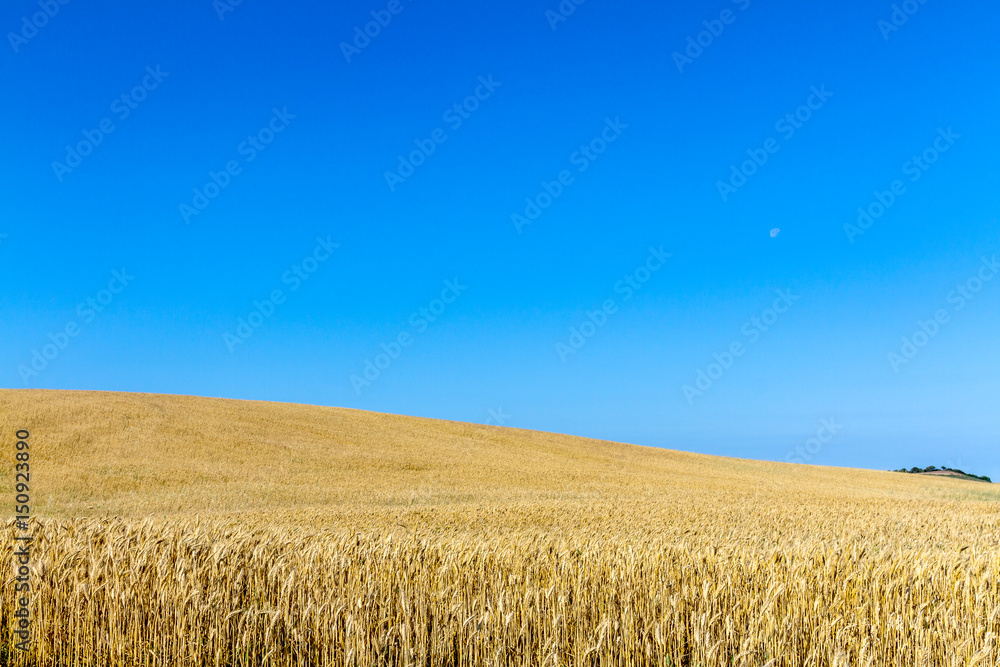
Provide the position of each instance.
(517, 172)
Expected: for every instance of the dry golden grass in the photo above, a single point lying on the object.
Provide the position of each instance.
(189, 531)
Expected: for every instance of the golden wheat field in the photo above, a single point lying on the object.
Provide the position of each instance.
(189, 531)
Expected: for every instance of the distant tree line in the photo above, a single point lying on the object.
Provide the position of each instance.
(935, 468)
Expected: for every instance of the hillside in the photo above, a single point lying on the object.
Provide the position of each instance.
(97, 453)
(190, 531)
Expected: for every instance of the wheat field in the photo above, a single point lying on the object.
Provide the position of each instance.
(190, 531)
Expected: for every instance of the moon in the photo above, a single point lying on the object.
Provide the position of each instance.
(775, 232)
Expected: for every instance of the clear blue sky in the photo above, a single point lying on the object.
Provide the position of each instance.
(242, 134)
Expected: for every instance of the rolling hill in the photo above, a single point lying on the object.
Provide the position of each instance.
(183, 530)
(99, 453)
